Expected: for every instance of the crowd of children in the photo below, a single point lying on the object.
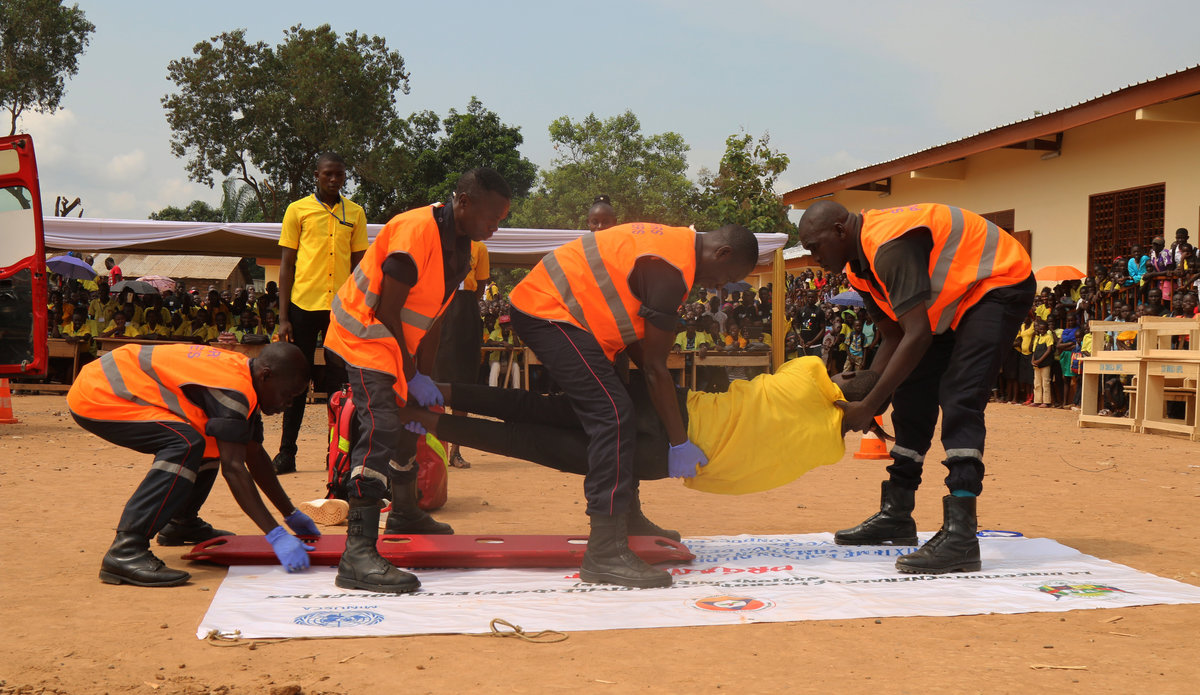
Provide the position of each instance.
(1041, 371)
(80, 311)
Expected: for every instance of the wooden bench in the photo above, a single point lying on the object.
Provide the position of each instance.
(1165, 382)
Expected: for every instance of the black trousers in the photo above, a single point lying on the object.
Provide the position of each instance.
(306, 327)
(600, 401)
(179, 480)
(956, 374)
(384, 451)
(458, 355)
(545, 430)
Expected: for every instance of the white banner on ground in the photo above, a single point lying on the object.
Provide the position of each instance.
(734, 579)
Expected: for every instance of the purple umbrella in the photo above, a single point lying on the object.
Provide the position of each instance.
(71, 268)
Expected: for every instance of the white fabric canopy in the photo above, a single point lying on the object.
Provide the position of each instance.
(260, 239)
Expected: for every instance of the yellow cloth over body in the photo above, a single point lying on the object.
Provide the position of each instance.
(768, 431)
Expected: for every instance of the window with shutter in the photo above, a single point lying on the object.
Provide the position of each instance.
(1119, 219)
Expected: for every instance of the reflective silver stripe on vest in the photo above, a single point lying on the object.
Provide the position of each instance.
(175, 469)
(236, 406)
(416, 319)
(941, 270)
(987, 263)
(559, 278)
(375, 331)
(591, 252)
(169, 398)
(364, 285)
(108, 365)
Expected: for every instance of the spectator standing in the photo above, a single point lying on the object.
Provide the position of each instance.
(323, 238)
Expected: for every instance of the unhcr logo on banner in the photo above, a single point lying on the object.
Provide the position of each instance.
(350, 618)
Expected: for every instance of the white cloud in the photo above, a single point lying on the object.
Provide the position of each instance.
(128, 165)
(53, 134)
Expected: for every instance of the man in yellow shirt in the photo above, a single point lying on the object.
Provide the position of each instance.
(743, 431)
(323, 238)
(462, 332)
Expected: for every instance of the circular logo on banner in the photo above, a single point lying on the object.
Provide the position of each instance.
(724, 604)
(338, 618)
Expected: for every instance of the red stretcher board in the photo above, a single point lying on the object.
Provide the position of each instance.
(442, 551)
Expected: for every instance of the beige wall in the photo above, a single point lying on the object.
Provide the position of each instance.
(1050, 197)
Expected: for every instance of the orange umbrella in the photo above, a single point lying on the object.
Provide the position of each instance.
(1059, 273)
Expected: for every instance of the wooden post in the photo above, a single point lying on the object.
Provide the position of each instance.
(778, 294)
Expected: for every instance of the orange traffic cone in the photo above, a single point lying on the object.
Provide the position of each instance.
(872, 446)
(6, 413)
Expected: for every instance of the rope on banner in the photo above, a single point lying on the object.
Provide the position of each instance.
(543, 637)
(234, 639)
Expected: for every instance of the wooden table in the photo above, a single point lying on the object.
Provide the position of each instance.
(56, 348)
(720, 358)
(675, 361)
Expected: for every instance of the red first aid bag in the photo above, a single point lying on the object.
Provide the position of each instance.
(432, 462)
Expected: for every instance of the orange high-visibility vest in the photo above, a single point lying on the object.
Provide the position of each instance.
(354, 332)
(971, 257)
(144, 383)
(586, 282)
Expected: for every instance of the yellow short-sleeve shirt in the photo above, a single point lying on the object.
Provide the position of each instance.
(323, 238)
(767, 431)
(481, 268)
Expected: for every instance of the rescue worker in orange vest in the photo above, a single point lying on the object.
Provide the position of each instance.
(948, 290)
(189, 405)
(384, 325)
(610, 291)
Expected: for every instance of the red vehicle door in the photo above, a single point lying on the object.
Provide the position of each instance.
(22, 261)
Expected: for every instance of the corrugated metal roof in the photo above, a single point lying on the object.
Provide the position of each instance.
(206, 267)
(1050, 119)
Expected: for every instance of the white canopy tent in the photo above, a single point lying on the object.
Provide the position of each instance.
(260, 239)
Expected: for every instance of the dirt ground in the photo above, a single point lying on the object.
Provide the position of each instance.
(1124, 497)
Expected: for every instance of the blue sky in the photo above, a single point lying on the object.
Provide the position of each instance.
(837, 85)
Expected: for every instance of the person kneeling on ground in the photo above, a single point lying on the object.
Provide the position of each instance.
(187, 405)
(748, 431)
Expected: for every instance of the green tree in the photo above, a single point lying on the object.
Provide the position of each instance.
(264, 113)
(427, 155)
(40, 45)
(195, 211)
(742, 191)
(645, 175)
(238, 202)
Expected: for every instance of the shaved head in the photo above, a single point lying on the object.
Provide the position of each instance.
(822, 215)
(830, 233)
(280, 374)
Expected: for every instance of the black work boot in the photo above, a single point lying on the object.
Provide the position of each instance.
(284, 463)
(361, 566)
(406, 518)
(189, 532)
(955, 548)
(129, 561)
(639, 525)
(891, 525)
(609, 560)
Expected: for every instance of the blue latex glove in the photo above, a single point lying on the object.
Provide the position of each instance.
(683, 460)
(415, 427)
(301, 524)
(289, 549)
(424, 390)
